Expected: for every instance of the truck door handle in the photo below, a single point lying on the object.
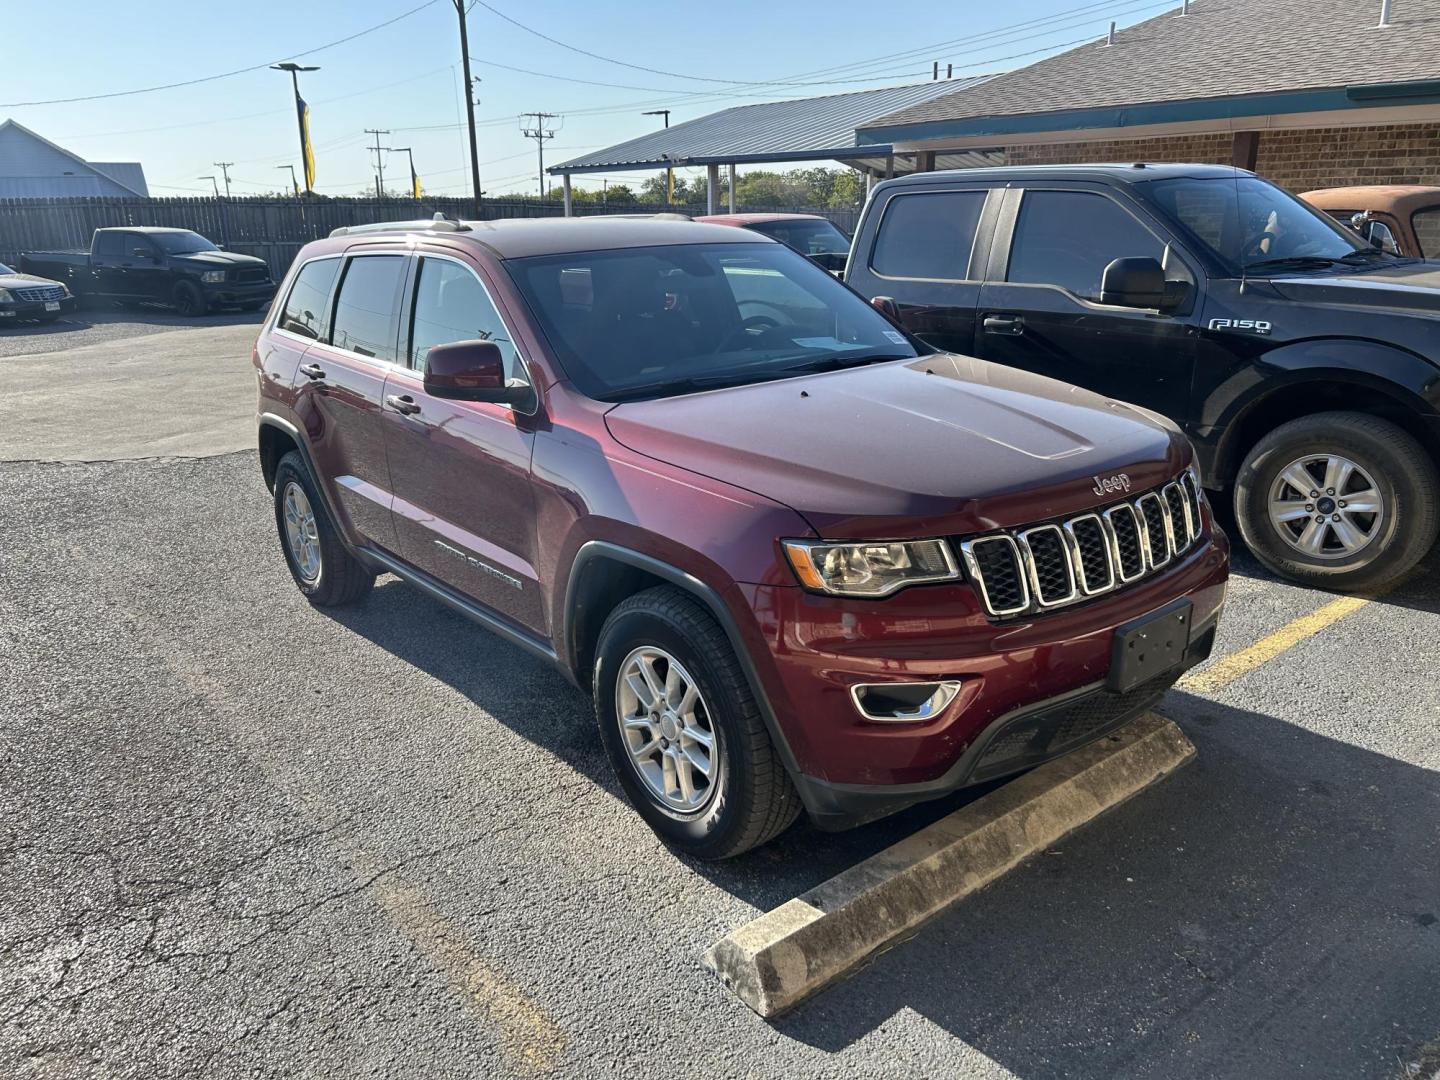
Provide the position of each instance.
(1004, 324)
(312, 371)
(404, 404)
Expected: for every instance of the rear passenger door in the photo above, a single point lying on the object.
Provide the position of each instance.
(923, 253)
(340, 386)
(1040, 307)
(464, 508)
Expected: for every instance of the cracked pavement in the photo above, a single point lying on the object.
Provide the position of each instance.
(241, 837)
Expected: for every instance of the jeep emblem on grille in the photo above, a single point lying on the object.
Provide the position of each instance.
(1111, 484)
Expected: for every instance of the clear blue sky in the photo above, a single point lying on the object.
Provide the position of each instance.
(405, 76)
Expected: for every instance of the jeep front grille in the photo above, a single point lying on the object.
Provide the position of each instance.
(1052, 564)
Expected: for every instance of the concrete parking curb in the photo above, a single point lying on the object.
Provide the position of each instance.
(787, 954)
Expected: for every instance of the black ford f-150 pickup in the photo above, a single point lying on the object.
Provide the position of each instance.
(1303, 363)
(152, 265)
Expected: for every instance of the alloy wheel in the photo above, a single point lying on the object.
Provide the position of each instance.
(667, 729)
(1326, 506)
(302, 533)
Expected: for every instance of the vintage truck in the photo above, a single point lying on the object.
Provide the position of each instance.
(137, 265)
(1403, 219)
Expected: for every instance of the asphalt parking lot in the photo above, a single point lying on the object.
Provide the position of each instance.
(239, 836)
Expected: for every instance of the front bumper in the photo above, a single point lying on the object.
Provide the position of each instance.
(1030, 688)
(15, 310)
(230, 292)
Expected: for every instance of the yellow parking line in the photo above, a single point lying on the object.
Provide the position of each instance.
(1226, 670)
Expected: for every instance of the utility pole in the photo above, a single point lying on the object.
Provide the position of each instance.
(669, 173)
(414, 180)
(604, 192)
(306, 164)
(224, 167)
(469, 104)
(294, 183)
(379, 161)
(541, 130)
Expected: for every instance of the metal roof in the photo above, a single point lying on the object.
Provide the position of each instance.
(802, 129)
(1221, 49)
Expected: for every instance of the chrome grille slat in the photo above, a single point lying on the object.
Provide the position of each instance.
(40, 292)
(1041, 567)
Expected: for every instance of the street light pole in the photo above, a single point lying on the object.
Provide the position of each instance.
(669, 173)
(410, 154)
(213, 181)
(469, 104)
(293, 69)
(294, 183)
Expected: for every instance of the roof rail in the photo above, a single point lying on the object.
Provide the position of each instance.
(665, 216)
(438, 223)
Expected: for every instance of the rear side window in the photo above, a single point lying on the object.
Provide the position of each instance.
(928, 236)
(452, 305)
(109, 243)
(365, 312)
(304, 312)
(1427, 231)
(1067, 238)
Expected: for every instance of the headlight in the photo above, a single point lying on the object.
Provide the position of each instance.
(875, 569)
(213, 277)
(5, 296)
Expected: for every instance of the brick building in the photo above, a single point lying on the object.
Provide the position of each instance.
(1310, 93)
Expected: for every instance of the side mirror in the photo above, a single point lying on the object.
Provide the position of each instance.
(471, 371)
(1137, 283)
(887, 306)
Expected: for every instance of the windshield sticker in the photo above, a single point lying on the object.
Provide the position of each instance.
(896, 337)
(826, 343)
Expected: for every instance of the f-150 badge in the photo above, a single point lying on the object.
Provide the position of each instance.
(1245, 326)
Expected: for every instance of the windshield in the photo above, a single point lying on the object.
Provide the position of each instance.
(1248, 222)
(5, 269)
(648, 322)
(182, 243)
(807, 236)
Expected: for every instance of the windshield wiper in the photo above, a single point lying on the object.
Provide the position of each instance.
(835, 363)
(1293, 262)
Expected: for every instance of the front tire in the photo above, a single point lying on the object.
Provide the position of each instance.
(1339, 500)
(683, 731)
(321, 564)
(189, 300)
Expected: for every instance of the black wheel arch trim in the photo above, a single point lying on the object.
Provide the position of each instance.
(707, 595)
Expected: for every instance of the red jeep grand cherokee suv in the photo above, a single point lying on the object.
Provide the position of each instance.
(799, 558)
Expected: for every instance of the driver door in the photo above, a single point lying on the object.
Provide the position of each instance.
(1039, 306)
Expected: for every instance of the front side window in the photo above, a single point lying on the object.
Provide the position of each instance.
(649, 322)
(452, 305)
(1068, 238)
(1247, 222)
(1427, 231)
(109, 243)
(305, 307)
(365, 311)
(928, 236)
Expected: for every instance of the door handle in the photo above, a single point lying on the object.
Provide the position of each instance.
(1004, 324)
(404, 404)
(312, 371)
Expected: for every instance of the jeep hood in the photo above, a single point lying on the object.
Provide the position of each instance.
(1413, 286)
(939, 445)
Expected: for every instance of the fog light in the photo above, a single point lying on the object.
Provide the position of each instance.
(903, 702)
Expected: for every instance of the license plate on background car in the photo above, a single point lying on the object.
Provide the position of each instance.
(52, 305)
(1148, 647)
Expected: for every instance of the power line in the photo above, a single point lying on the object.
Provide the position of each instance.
(223, 74)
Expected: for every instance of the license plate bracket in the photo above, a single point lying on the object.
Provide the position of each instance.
(1150, 646)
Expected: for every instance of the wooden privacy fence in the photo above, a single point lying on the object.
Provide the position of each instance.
(275, 229)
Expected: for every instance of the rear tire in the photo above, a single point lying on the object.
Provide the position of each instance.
(747, 798)
(322, 566)
(1348, 550)
(189, 300)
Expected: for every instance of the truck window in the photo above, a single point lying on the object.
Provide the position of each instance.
(1427, 231)
(365, 310)
(928, 236)
(1067, 238)
(109, 244)
(304, 312)
(452, 305)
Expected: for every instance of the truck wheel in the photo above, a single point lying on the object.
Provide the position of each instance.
(321, 565)
(1341, 500)
(682, 729)
(188, 300)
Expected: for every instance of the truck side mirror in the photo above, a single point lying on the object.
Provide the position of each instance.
(887, 306)
(1137, 283)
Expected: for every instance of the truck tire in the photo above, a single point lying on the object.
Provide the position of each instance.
(321, 564)
(1340, 500)
(189, 300)
(672, 702)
